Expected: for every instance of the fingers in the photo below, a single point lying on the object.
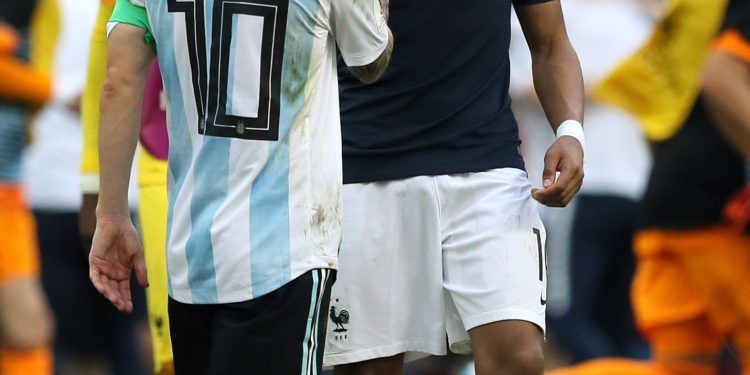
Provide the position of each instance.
(107, 287)
(95, 277)
(561, 192)
(126, 302)
(565, 156)
(551, 161)
(558, 195)
(140, 272)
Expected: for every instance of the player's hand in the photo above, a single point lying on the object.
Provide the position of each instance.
(116, 251)
(87, 220)
(564, 156)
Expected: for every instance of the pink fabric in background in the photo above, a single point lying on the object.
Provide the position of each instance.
(154, 117)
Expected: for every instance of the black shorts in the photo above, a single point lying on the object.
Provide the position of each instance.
(280, 333)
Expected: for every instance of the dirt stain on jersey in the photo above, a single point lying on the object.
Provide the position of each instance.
(326, 217)
(296, 61)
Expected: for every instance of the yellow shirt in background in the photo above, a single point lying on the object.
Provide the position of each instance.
(659, 84)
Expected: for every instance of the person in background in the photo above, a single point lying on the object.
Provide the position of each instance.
(590, 254)
(151, 177)
(26, 324)
(85, 321)
(693, 245)
(255, 171)
(441, 233)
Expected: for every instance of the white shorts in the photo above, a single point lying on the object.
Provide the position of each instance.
(430, 256)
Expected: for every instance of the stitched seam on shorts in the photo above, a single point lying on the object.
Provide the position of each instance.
(439, 203)
(502, 315)
(359, 355)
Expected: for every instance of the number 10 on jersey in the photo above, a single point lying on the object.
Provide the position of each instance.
(236, 74)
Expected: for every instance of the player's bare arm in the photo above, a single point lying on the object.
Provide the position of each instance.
(116, 248)
(370, 73)
(559, 84)
(726, 90)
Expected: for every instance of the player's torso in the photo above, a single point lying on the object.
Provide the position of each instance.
(254, 159)
(447, 83)
(436, 28)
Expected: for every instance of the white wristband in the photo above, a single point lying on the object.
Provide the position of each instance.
(572, 128)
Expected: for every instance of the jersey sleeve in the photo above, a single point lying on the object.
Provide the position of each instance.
(735, 39)
(90, 102)
(131, 12)
(360, 29)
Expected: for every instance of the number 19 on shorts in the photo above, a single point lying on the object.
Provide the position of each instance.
(237, 81)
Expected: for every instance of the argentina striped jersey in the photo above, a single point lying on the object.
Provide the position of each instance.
(255, 146)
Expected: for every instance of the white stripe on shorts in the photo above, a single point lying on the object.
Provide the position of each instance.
(310, 345)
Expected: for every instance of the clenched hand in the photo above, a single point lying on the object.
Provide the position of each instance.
(564, 156)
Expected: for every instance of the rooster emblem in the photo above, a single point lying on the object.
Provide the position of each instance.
(339, 319)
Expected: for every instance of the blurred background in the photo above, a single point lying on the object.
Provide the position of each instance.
(52, 310)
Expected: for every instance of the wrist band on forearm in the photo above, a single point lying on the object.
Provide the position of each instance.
(572, 128)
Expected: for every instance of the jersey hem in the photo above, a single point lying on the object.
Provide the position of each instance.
(464, 346)
(376, 175)
(245, 293)
(413, 349)
(501, 315)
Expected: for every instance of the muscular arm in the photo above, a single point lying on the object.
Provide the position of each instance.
(726, 91)
(557, 72)
(128, 63)
(559, 85)
(116, 248)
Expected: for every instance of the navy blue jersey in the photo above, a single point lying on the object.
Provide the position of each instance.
(442, 107)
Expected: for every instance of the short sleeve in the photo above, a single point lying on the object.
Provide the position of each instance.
(131, 12)
(360, 29)
(735, 38)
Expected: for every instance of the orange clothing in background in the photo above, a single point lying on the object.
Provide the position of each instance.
(689, 293)
(19, 81)
(687, 275)
(18, 247)
(733, 42)
(28, 362)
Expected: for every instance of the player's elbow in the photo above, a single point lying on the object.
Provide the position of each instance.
(555, 48)
(369, 79)
(117, 81)
(371, 73)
